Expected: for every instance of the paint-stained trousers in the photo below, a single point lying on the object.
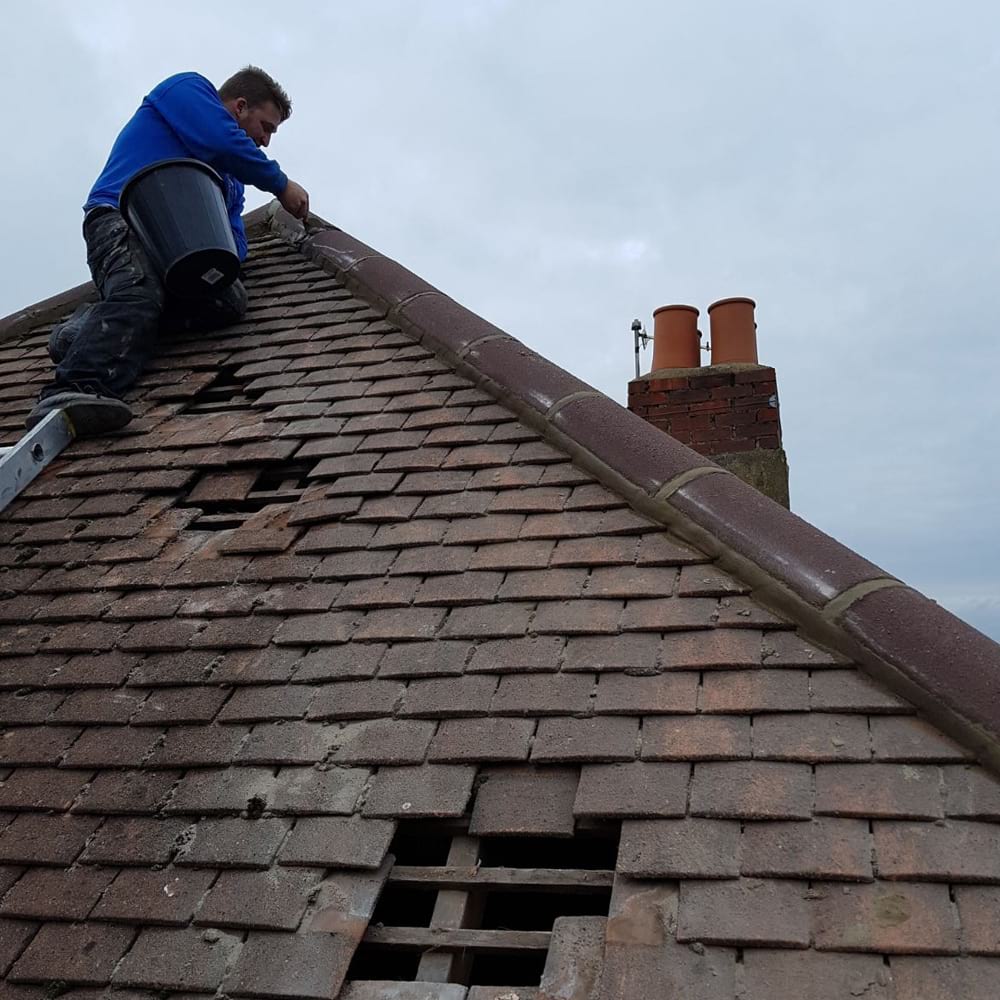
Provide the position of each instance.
(104, 346)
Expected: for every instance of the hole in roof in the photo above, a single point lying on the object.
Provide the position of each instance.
(593, 851)
(495, 927)
(224, 393)
(520, 969)
(517, 910)
(276, 483)
(404, 906)
(372, 962)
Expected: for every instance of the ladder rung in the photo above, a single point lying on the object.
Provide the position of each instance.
(22, 462)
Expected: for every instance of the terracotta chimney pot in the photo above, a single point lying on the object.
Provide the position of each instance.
(734, 331)
(676, 341)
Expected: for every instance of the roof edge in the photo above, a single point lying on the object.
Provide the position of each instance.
(944, 666)
(258, 222)
(20, 322)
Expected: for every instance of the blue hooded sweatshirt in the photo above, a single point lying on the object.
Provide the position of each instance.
(184, 116)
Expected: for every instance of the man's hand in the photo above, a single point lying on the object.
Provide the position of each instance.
(295, 200)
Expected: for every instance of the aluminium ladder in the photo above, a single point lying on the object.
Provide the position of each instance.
(22, 462)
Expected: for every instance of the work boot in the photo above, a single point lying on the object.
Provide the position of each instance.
(88, 413)
(64, 333)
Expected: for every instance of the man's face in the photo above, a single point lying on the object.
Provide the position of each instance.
(259, 122)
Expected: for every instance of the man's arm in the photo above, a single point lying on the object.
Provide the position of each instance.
(191, 107)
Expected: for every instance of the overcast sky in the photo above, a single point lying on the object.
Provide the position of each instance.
(562, 166)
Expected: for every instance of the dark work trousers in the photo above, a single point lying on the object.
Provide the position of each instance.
(108, 344)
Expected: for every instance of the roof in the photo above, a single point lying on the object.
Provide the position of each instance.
(305, 672)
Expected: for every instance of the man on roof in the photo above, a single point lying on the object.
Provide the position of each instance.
(102, 349)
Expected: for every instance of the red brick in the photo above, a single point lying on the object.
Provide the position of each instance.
(887, 917)
(669, 614)
(540, 585)
(236, 633)
(109, 669)
(208, 792)
(397, 624)
(383, 741)
(455, 505)
(679, 848)
(39, 839)
(529, 500)
(630, 582)
(164, 635)
(316, 630)
(459, 740)
(338, 842)
(526, 802)
(234, 843)
(598, 551)
(533, 653)
(328, 663)
(903, 738)
(752, 790)
(51, 894)
(459, 589)
(73, 953)
(972, 792)
(495, 529)
(543, 694)
(134, 841)
(408, 534)
(814, 737)
(810, 975)
(944, 978)
(166, 897)
(744, 912)
(602, 739)
(35, 789)
(755, 691)
(510, 555)
(979, 912)
(287, 743)
(580, 617)
(488, 621)
(634, 654)
(125, 792)
(851, 691)
(879, 790)
(14, 935)
(427, 791)
(822, 849)
(720, 648)
(322, 790)
(956, 851)
(197, 746)
(394, 592)
(632, 789)
(97, 707)
(787, 649)
(708, 581)
(621, 694)
(181, 959)
(697, 737)
(425, 659)
(432, 559)
(168, 669)
(216, 602)
(275, 899)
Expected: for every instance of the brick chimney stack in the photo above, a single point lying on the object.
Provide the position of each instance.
(727, 410)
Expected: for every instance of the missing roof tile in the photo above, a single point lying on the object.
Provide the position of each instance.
(481, 911)
(227, 502)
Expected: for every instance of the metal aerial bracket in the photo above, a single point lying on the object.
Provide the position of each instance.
(22, 462)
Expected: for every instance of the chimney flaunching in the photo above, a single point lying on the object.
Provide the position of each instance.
(728, 410)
